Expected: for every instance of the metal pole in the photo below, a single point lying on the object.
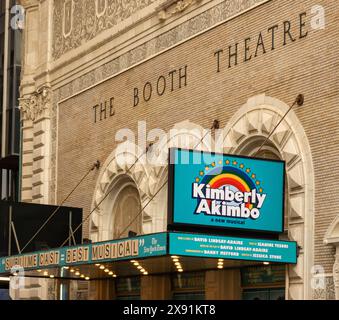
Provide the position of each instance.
(69, 228)
(5, 83)
(10, 231)
(16, 238)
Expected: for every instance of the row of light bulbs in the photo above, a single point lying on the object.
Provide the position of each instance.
(175, 260)
(139, 267)
(177, 263)
(76, 272)
(106, 270)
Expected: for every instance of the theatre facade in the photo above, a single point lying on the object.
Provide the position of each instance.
(128, 83)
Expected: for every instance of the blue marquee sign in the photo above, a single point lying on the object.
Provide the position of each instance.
(197, 245)
(225, 191)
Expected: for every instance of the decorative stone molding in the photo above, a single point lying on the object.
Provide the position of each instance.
(332, 238)
(253, 122)
(336, 272)
(88, 18)
(34, 106)
(173, 7)
(327, 293)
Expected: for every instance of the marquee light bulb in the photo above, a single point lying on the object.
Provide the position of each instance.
(136, 263)
(102, 267)
(97, 264)
(220, 267)
(139, 267)
(77, 273)
(180, 270)
(110, 273)
(174, 257)
(87, 278)
(45, 273)
(114, 276)
(39, 271)
(106, 270)
(72, 270)
(51, 276)
(142, 270)
(176, 260)
(145, 273)
(82, 276)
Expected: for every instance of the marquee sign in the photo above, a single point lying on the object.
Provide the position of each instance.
(196, 245)
(225, 191)
(110, 251)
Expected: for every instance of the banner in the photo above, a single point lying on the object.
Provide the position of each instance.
(218, 247)
(116, 250)
(224, 191)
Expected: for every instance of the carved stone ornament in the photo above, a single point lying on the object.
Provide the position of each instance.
(336, 270)
(173, 7)
(33, 107)
(76, 22)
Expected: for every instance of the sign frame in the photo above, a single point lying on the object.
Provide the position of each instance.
(225, 230)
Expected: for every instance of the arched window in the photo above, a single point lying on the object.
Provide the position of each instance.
(269, 151)
(124, 205)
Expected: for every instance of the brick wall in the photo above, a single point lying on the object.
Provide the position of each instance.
(308, 65)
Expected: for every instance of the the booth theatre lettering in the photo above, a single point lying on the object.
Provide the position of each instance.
(104, 110)
(77, 255)
(129, 248)
(278, 35)
(176, 79)
(268, 40)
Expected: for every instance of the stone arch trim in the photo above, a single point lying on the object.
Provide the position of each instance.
(332, 238)
(332, 233)
(148, 176)
(118, 163)
(256, 119)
